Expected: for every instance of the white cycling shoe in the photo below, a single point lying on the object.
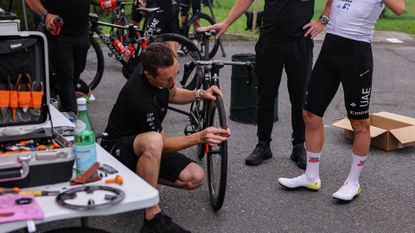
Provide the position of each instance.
(347, 192)
(300, 182)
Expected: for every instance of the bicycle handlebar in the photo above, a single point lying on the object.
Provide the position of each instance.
(221, 62)
(189, 66)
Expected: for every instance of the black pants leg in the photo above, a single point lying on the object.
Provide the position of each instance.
(298, 67)
(68, 58)
(296, 57)
(269, 64)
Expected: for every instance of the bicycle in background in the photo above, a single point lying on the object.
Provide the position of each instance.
(190, 26)
(126, 52)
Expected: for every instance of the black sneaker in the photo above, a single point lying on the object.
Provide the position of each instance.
(161, 223)
(299, 156)
(261, 152)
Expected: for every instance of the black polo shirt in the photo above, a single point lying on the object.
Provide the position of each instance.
(73, 12)
(140, 108)
(284, 19)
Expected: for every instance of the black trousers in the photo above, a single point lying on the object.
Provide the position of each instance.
(67, 57)
(296, 57)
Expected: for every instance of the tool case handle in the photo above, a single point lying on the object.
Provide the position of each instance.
(19, 172)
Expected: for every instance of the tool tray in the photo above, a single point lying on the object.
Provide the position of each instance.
(32, 153)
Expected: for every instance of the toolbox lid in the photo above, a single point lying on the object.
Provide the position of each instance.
(24, 86)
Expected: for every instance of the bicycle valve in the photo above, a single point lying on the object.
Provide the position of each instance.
(117, 179)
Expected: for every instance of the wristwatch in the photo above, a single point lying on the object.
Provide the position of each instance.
(43, 16)
(324, 19)
(197, 92)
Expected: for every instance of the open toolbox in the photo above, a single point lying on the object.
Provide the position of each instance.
(31, 152)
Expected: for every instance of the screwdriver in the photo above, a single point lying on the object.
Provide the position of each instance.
(28, 192)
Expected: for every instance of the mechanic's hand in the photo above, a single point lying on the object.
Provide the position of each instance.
(213, 136)
(220, 28)
(209, 94)
(313, 28)
(49, 22)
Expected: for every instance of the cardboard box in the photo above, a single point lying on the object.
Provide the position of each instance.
(389, 131)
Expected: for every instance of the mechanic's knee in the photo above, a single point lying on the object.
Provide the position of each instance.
(360, 127)
(149, 144)
(311, 119)
(192, 176)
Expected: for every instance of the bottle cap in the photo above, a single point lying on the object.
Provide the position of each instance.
(81, 101)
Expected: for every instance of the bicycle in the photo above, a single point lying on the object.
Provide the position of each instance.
(204, 114)
(119, 17)
(189, 28)
(94, 68)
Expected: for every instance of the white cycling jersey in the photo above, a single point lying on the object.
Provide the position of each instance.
(354, 19)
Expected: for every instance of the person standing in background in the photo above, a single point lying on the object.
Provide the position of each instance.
(346, 58)
(285, 41)
(68, 50)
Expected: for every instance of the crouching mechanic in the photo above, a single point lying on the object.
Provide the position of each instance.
(136, 137)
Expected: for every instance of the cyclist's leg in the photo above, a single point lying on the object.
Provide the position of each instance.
(166, 21)
(176, 170)
(135, 15)
(184, 14)
(196, 8)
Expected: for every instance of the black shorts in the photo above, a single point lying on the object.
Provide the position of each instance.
(185, 6)
(165, 20)
(135, 15)
(171, 165)
(344, 61)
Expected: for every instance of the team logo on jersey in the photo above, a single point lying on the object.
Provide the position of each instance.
(345, 4)
(150, 119)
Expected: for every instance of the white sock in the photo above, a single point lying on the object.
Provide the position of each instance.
(358, 163)
(313, 162)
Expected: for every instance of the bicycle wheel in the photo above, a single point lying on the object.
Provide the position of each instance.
(200, 20)
(94, 67)
(187, 52)
(217, 157)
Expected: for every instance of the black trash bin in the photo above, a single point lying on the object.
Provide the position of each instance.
(243, 96)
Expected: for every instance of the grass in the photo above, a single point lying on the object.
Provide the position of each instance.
(390, 22)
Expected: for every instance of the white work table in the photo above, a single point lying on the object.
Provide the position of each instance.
(138, 193)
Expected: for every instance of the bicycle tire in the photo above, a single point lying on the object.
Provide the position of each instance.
(217, 185)
(94, 67)
(213, 47)
(191, 53)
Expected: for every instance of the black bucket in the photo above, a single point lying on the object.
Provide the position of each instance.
(243, 96)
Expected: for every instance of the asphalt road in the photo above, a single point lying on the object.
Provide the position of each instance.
(254, 201)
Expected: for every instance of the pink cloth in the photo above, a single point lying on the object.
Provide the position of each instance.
(10, 211)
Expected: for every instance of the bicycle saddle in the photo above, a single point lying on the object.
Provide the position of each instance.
(149, 10)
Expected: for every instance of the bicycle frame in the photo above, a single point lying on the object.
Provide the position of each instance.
(94, 28)
(210, 77)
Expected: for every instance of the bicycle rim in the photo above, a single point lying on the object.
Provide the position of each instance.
(198, 123)
(187, 52)
(202, 20)
(94, 67)
(217, 157)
